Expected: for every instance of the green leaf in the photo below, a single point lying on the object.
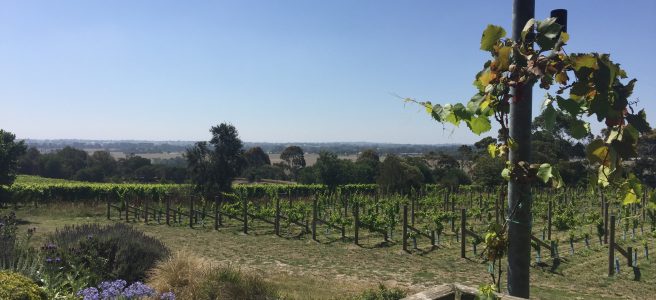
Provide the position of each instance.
(505, 173)
(503, 58)
(492, 150)
(603, 176)
(597, 151)
(630, 198)
(491, 35)
(569, 105)
(548, 31)
(479, 125)
(579, 129)
(437, 113)
(528, 28)
(583, 61)
(549, 117)
(639, 121)
(544, 172)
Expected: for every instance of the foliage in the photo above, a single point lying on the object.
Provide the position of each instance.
(115, 251)
(15, 253)
(214, 165)
(594, 86)
(189, 276)
(14, 286)
(182, 273)
(73, 163)
(119, 289)
(396, 176)
(224, 283)
(294, 157)
(382, 293)
(10, 150)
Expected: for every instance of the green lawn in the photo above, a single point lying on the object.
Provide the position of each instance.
(335, 269)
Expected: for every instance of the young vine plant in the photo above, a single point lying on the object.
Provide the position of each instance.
(582, 85)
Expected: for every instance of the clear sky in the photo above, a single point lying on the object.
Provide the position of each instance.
(280, 71)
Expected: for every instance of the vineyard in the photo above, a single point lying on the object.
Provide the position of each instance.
(565, 221)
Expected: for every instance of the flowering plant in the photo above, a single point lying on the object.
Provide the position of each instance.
(119, 290)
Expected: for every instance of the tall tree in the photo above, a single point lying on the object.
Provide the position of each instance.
(255, 157)
(10, 151)
(294, 157)
(214, 165)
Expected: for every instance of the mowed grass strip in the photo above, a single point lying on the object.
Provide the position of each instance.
(335, 269)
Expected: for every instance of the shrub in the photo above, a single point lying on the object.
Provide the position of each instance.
(15, 254)
(115, 251)
(230, 283)
(181, 273)
(14, 286)
(382, 293)
(191, 277)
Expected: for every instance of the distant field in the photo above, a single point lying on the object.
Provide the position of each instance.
(310, 158)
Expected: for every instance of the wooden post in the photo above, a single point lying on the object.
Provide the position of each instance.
(453, 212)
(277, 220)
(108, 208)
(405, 227)
(146, 210)
(314, 219)
(245, 213)
(168, 211)
(216, 212)
(463, 223)
(549, 215)
(412, 210)
(191, 211)
(629, 251)
(611, 246)
(356, 217)
(606, 222)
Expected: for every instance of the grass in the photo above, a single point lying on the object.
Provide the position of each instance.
(335, 269)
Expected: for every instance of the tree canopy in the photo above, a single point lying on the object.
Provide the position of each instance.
(214, 165)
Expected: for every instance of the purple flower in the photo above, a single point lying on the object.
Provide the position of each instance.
(167, 296)
(90, 293)
(137, 290)
(112, 289)
(48, 260)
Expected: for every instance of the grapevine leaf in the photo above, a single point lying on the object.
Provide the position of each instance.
(564, 36)
(579, 129)
(437, 113)
(492, 150)
(549, 117)
(491, 36)
(630, 198)
(639, 121)
(597, 151)
(503, 58)
(544, 172)
(505, 173)
(475, 102)
(479, 125)
(603, 176)
(569, 105)
(528, 28)
(583, 61)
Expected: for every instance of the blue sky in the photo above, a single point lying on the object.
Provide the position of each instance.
(280, 71)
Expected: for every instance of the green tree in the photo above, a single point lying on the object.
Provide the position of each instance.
(214, 165)
(255, 157)
(396, 176)
(294, 157)
(10, 151)
(330, 170)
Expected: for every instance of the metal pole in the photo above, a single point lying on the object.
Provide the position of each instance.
(519, 227)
